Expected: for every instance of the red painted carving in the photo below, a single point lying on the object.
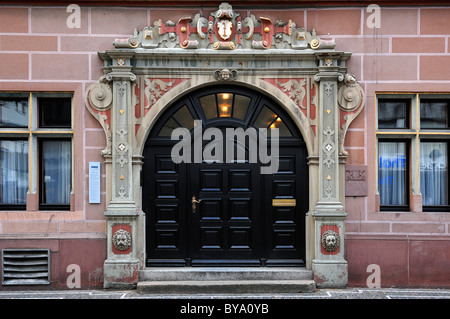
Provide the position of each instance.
(126, 228)
(148, 91)
(303, 92)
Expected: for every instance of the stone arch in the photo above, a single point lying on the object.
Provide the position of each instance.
(258, 85)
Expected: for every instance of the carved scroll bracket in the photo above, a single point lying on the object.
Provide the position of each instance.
(98, 100)
(351, 100)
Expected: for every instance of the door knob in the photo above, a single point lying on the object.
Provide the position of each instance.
(194, 204)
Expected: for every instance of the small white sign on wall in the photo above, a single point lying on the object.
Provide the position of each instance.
(94, 182)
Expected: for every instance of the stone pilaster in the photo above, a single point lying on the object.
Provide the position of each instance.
(329, 265)
(122, 265)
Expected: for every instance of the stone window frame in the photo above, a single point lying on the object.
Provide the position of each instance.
(413, 135)
(33, 134)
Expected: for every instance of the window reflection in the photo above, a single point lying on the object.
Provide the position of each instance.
(240, 107)
(184, 117)
(433, 173)
(13, 171)
(168, 127)
(434, 114)
(208, 103)
(270, 120)
(13, 112)
(393, 114)
(392, 173)
(265, 118)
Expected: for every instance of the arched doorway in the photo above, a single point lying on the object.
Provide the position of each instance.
(226, 212)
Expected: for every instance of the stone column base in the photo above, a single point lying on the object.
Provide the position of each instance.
(330, 273)
(121, 274)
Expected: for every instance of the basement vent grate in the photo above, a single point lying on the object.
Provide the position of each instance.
(25, 266)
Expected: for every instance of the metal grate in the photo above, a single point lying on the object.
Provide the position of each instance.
(25, 266)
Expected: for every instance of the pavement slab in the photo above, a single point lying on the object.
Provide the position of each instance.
(349, 293)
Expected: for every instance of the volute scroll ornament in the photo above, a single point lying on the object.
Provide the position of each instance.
(350, 94)
(351, 100)
(100, 96)
(98, 100)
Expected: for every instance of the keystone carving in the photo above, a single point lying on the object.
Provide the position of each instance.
(225, 74)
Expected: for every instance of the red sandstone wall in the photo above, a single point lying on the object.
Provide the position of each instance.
(409, 53)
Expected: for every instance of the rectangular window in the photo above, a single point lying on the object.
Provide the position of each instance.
(35, 150)
(13, 174)
(392, 174)
(56, 174)
(418, 163)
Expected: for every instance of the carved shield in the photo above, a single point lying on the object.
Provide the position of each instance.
(224, 29)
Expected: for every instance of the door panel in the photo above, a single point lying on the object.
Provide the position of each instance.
(223, 227)
(284, 225)
(163, 196)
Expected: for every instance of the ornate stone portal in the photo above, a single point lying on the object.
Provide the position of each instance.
(158, 64)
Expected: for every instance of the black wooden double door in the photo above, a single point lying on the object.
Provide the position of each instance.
(224, 214)
(234, 222)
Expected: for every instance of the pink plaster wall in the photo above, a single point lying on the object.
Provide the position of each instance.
(409, 53)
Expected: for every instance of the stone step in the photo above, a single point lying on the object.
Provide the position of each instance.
(226, 286)
(224, 273)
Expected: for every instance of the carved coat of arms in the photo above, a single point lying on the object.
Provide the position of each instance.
(224, 27)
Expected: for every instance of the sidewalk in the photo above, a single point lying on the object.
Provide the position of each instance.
(349, 293)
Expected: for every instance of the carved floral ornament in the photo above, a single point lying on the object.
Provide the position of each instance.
(224, 29)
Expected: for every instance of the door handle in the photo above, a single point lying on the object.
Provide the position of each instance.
(194, 204)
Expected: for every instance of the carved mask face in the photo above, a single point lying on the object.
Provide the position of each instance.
(330, 240)
(225, 75)
(121, 241)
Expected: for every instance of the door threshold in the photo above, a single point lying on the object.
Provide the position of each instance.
(224, 273)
